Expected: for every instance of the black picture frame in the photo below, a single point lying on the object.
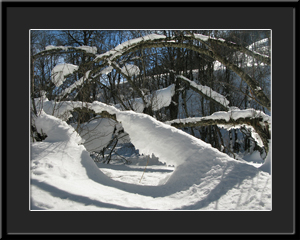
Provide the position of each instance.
(18, 18)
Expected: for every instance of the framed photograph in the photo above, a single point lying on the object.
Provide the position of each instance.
(140, 119)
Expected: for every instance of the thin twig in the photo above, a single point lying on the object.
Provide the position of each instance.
(145, 169)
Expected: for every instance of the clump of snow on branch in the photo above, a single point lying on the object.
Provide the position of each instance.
(51, 47)
(60, 71)
(130, 69)
(161, 98)
(106, 70)
(201, 37)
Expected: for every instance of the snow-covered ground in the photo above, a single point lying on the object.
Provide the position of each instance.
(65, 177)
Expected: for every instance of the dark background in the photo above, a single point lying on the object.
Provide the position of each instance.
(20, 18)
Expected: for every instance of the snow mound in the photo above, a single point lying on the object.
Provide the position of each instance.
(56, 129)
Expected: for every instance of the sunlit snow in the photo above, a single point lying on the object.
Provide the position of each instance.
(64, 177)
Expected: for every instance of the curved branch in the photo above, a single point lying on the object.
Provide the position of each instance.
(256, 123)
(60, 51)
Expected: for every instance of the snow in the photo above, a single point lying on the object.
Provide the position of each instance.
(231, 114)
(130, 70)
(201, 37)
(51, 47)
(267, 165)
(98, 133)
(56, 129)
(162, 97)
(258, 44)
(60, 110)
(88, 49)
(106, 70)
(64, 177)
(60, 71)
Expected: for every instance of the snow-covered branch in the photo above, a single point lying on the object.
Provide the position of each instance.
(119, 50)
(259, 121)
(207, 92)
(73, 86)
(50, 50)
(220, 41)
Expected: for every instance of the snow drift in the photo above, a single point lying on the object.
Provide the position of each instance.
(65, 177)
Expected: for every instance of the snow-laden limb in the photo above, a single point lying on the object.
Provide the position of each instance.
(207, 92)
(59, 72)
(259, 122)
(118, 50)
(51, 50)
(51, 47)
(87, 49)
(234, 114)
